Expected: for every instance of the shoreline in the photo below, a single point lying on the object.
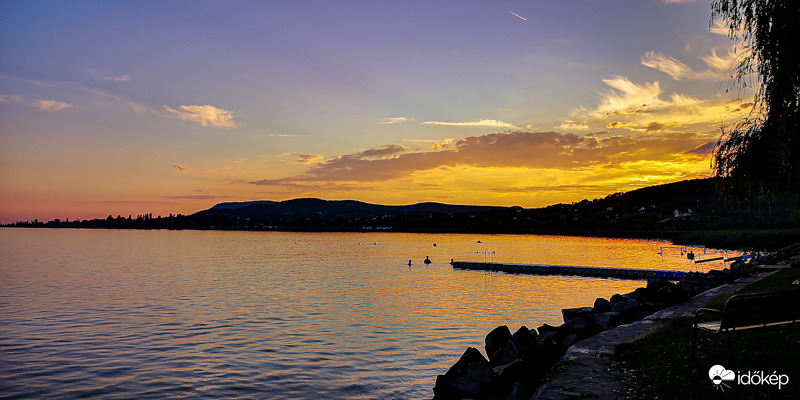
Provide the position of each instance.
(562, 358)
(768, 239)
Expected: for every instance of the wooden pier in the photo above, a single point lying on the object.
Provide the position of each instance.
(594, 272)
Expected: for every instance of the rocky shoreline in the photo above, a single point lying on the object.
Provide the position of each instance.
(518, 363)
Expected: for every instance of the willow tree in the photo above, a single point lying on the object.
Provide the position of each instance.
(760, 155)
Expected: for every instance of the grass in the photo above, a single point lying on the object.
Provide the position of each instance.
(664, 368)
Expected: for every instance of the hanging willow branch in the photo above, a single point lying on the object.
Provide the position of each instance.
(760, 155)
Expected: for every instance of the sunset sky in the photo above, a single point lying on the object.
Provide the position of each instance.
(133, 107)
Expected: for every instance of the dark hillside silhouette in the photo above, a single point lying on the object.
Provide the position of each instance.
(663, 211)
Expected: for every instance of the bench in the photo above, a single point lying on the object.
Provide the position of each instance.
(748, 311)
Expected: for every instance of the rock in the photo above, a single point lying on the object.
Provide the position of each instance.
(558, 337)
(651, 306)
(548, 333)
(578, 324)
(496, 339)
(671, 294)
(525, 342)
(549, 353)
(625, 307)
(521, 391)
(579, 312)
(516, 371)
(468, 377)
(504, 355)
(569, 340)
(618, 298)
(579, 321)
(601, 305)
(688, 287)
(656, 284)
(522, 345)
(739, 265)
(607, 320)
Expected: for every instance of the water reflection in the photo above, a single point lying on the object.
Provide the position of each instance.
(153, 314)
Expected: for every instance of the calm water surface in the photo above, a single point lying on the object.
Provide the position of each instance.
(194, 314)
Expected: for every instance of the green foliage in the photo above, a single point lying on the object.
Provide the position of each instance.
(761, 154)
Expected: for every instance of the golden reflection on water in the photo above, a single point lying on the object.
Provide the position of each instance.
(153, 314)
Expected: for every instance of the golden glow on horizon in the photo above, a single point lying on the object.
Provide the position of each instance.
(542, 169)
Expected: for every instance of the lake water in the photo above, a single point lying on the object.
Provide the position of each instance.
(202, 314)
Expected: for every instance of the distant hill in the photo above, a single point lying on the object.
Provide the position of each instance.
(239, 204)
(327, 210)
(689, 211)
(650, 211)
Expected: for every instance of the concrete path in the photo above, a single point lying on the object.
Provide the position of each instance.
(587, 370)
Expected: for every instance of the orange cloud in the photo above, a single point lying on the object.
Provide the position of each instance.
(515, 150)
(303, 158)
(181, 168)
(641, 107)
(493, 123)
(51, 105)
(204, 115)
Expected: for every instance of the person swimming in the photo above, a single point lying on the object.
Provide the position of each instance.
(427, 260)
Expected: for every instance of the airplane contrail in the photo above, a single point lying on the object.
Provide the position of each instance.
(518, 16)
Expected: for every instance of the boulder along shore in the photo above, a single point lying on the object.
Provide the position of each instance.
(517, 364)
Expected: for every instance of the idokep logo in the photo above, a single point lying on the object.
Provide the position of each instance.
(719, 376)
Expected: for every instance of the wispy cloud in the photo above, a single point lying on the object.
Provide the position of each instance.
(627, 97)
(716, 65)
(492, 123)
(120, 78)
(392, 120)
(573, 126)
(666, 64)
(195, 197)
(304, 158)
(386, 151)
(51, 105)
(43, 105)
(641, 107)
(95, 72)
(720, 27)
(181, 168)
(205, 115)
(80, 88)
(10, 98)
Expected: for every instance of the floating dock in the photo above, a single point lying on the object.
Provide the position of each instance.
(594, 272)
